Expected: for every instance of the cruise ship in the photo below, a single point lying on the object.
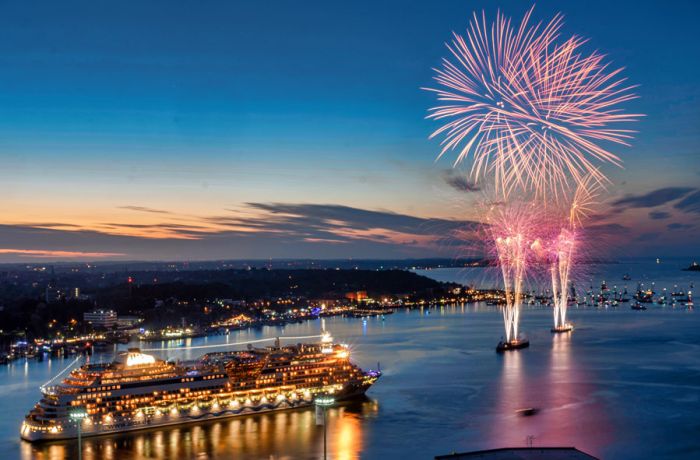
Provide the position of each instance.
(138, 391)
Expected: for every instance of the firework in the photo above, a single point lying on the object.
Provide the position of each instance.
(531, 112)
(510, 227)
(584, 200)
(562, 248)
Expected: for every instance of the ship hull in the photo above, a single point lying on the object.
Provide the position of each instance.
(71, 432)
(181, 418)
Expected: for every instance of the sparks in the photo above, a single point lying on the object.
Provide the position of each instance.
(532, 113)
(510, 227)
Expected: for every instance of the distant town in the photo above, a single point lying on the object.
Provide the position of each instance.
(65, 309)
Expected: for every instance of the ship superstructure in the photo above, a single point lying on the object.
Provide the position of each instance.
(139, 391)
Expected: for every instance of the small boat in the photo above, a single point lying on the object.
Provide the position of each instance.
(694, 267)
(626, 277)
(638, 306)
(568, 327)
(646, 297)
(515, 344)
(527, 412)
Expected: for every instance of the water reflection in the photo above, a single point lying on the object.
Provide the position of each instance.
(281, 435)
(552, 404)
(572, 415)
(508, 429)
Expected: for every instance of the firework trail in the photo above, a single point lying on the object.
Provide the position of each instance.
(510, 226)
(530, 112)
(563, 247)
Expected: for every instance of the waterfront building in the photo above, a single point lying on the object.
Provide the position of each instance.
(101, 318)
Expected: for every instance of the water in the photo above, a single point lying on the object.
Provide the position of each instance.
(665, 274)
(625, 384)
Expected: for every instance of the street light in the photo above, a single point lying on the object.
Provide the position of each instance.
(78, 416)
(323, 402)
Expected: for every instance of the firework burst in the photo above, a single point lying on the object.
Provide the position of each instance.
(530, 112)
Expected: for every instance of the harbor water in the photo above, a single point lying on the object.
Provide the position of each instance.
(624, 384)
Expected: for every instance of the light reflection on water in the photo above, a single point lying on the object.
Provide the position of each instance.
(277, 435)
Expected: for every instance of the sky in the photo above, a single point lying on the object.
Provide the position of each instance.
(222, 130)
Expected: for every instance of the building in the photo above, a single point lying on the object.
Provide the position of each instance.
(521, 453)
(52, 294)
(125, 322)
(357, 296)
(101, 318)
(233, 303)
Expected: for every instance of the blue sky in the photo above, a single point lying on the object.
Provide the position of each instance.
(214, 111)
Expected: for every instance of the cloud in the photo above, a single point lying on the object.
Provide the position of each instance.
(654, 198)
(690, 203)
(51, 254)
(460, 183)
(329, 217)
(145, 209)
(257, 230)
(659, 215)
(678, 226)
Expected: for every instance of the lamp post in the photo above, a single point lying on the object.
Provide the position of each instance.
(323, 402)
(78, 416)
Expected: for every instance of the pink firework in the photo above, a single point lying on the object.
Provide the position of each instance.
(511, 229)
(531, 112)
(557, 244)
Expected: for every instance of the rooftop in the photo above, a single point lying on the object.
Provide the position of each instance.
(521, 453)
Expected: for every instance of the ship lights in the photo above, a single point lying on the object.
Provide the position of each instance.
(78, 415)
(343, 354)
(139, 359)
(324, 400)
(326, 342)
